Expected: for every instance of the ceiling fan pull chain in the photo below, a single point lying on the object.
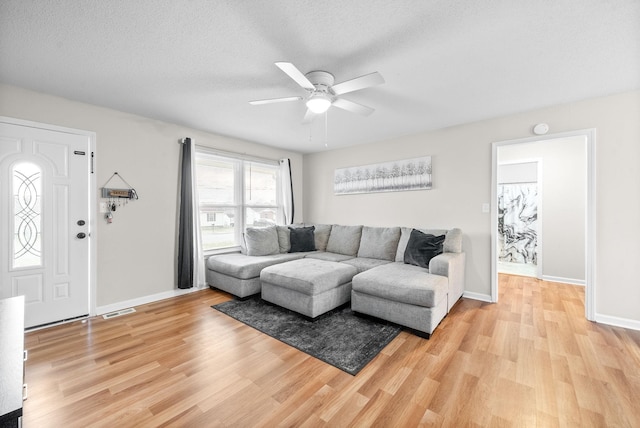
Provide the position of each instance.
(326, 128)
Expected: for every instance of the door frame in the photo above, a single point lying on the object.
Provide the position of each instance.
(590, 212)
(92, 201)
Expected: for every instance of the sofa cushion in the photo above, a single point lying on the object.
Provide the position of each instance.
(344, 240)
(308, 276)
(404, 283)
(364, 263)
(261, 241)
(452, 242)
(302, 239)
(321, 234)
(327, 256)
(379, 242)
(284, 240)
(422, 247)
(242, 266)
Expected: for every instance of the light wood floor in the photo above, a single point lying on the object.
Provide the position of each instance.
(530, 360)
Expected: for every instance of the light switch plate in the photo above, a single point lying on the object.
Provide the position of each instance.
(485, 208)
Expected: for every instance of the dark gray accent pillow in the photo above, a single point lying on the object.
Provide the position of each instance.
(422, 247)
(302, 239)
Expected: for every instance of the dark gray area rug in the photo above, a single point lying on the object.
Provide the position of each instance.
(339, 337)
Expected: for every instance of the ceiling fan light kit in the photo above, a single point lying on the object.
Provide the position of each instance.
(322, 92)
(319, 103)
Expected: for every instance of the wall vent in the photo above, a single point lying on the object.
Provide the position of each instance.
(118, 313)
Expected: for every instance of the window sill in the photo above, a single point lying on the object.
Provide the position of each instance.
(229, 250)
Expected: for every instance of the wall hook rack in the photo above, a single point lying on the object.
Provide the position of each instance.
(109, 192)
(117, 196)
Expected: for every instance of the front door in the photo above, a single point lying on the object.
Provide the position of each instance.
(44, 221)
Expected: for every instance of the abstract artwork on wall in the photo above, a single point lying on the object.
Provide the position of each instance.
(408, 174)
(518, 223)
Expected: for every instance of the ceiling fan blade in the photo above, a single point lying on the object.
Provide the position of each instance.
(358, 83)
(353, 107)
(274, 100)
(308, 117)
(293, 72)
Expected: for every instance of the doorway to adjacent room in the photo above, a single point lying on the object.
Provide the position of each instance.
(543, 186)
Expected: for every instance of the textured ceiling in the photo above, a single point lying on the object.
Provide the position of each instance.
(197, 63)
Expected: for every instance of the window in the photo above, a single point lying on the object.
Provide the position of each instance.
(234, 194)
(27, 243)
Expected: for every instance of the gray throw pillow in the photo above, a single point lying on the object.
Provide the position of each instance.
(422, 247)
(261, 241)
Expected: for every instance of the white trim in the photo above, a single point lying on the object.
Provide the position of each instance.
(477, 296)
(617, 322)
(590, 226)
(240, 207)
(114, 307)
(562, 280)
(238, 156)
(93, 201)
(494, 223)
(590, 214)
(228, 250)
(540, 215)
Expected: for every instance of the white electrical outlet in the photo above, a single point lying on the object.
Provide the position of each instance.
(485, 208)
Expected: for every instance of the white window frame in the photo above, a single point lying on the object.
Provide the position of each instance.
(241, 206)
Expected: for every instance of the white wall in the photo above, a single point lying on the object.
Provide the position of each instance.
(137, 252)
(563, 190)
(462, 183)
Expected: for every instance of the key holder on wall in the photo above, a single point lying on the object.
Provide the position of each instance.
(117, 197)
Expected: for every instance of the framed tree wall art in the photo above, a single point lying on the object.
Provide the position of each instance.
(401, 175)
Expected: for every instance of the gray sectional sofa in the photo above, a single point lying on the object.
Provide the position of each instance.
(407, 276)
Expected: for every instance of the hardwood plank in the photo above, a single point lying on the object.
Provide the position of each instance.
(529, 360)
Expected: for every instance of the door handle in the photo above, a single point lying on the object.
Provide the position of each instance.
(81, 235)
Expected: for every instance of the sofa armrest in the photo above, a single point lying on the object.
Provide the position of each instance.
(451, 265)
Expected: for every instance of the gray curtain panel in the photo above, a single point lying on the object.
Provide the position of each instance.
(185, 228)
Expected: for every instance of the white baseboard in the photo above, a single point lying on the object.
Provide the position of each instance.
(618, 322)
(100, 310)
(477, 296)
(571, 281)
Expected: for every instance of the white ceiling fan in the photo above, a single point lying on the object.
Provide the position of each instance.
(323, 93)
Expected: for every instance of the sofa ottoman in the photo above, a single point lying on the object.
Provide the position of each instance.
(403, 294)
(239, 274)
(308, 286)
